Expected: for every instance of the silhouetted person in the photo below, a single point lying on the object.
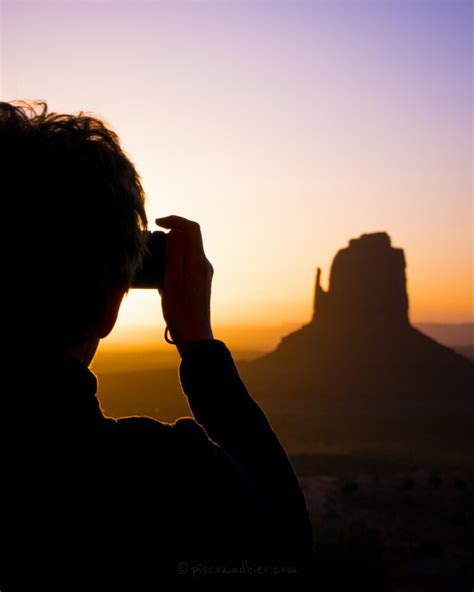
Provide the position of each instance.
(89, 500)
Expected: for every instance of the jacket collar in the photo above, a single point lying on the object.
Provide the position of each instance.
(54, 386)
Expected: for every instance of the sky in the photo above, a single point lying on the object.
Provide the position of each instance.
(284, 128)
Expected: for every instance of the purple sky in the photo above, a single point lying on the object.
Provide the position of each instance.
(284, 128)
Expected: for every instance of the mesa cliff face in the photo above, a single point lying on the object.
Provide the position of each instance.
(367, 285)
(359, 363)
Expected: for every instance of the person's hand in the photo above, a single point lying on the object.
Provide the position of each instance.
(186, 293)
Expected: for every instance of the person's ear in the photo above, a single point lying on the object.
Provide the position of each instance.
(109, 315)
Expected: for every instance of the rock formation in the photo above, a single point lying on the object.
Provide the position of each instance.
(367, 285)
(359, 364)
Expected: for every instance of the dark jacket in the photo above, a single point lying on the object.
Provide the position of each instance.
(88, 497)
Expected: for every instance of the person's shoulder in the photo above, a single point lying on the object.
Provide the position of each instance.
(183, 441)
(141, 424)
(184, 429)
(182, 447)
(184, 436)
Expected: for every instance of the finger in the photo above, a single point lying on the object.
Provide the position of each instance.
(195, 247)
(175, 256)
(172, 221)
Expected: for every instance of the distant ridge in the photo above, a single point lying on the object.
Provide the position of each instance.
(451, 334)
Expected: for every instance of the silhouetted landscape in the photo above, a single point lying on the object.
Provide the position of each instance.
(376, 415)
(357, 375)
(308, 164)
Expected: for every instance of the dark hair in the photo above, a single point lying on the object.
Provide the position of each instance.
(75, 204)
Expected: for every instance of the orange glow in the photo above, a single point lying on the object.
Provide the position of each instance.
(284, 130)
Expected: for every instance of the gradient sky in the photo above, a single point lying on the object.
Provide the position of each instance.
(284, 128)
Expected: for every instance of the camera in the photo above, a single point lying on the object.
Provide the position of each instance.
(151, 274)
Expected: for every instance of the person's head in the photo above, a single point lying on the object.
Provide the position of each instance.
(74, 210)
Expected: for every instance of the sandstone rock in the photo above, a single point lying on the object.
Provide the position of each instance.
(367, 285)
(359, 368)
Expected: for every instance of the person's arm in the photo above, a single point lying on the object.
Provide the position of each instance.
(220, 401)
(223, 406)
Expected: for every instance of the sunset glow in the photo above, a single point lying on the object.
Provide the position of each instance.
(284, 128)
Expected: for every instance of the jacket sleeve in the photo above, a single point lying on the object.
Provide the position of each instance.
(223, 406)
